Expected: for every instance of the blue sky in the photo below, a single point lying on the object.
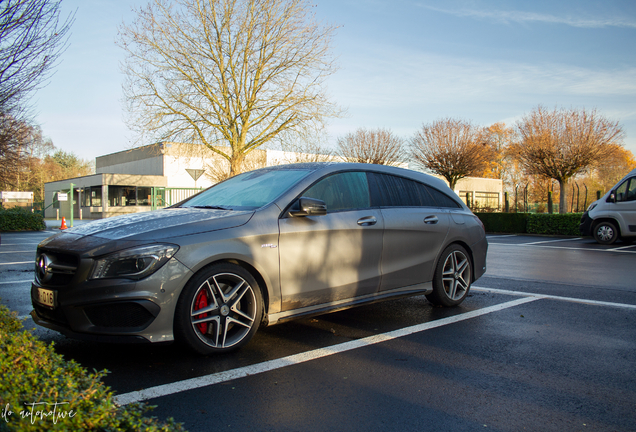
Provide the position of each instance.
(402, 63)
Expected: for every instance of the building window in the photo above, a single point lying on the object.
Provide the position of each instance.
(92, 196)
(480, 200)
(123, 196)
(144, 196)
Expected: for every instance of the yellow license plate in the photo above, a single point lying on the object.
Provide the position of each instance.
(46, 297)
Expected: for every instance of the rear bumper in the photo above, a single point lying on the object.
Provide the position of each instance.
(480, 250)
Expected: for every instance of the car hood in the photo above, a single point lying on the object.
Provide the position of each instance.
(161, 224)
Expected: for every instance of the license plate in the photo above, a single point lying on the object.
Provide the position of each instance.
(46, 297)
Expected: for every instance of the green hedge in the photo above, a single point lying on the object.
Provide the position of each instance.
(504, 222)
(40, 391)
(531, 223)
(18, 219)
(554, 224)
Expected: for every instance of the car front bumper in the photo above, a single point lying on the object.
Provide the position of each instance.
(586, 225)
(115, 310)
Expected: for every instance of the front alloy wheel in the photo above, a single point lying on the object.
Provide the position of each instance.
(219, 310)
(452, 279)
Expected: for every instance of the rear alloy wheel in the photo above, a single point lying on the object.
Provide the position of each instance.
(452, 278)
(219, 310)
(605, 233)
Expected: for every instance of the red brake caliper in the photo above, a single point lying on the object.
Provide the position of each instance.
(200, 303)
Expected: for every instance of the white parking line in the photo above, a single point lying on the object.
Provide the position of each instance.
(625, 247)
(18, 244)
(17, 252)
(501, 236)
(553, 241)
(619, 250)
(18, 262)
(16, 282)
(553, 297)
(207, 380)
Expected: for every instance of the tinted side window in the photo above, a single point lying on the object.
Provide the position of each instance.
(397, 191)
(400, 192)
(442, 199)
(343, 191)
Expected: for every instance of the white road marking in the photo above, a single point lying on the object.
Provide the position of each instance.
(625, 247)
(562, 247)
(207, 380)
(18, 262)
(553, 297)
(501, 235)
(19, 244)
(17, 252)
(16, 282)
(552, 241)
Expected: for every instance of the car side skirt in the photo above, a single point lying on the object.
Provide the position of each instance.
(418, 289)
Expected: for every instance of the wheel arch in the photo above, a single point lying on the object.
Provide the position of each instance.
(612, 220)
(470, 256)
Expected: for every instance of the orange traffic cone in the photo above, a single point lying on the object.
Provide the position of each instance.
(63, 223)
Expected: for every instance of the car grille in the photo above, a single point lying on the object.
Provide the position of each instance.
(60, 268)
(119, 315)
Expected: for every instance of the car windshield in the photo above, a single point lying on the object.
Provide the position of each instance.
(247, 191)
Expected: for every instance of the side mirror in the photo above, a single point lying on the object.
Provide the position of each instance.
(308, 207)
(612, 197)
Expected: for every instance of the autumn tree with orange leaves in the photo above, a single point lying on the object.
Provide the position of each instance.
(562, 143)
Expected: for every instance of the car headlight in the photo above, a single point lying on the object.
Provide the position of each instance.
(135, 263)
(591, 206)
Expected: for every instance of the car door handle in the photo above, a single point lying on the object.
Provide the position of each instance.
(367, 221)
(431, 220)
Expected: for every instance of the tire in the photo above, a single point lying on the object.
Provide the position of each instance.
(605, 233)
(229, 303)
(453, 276)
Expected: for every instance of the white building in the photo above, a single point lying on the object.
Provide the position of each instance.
(163, 174)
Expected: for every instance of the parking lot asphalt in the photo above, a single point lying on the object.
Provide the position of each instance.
(546, 341)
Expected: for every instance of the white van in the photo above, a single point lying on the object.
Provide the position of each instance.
(614, 215)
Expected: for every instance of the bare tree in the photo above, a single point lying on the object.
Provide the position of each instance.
(452, 148)
(32, 37)
(561, 143)
(374, 146)
(226, 73)
(12, 136)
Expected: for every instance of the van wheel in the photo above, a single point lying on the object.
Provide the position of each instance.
(605, 233)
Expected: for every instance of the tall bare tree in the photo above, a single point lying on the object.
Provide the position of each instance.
(32, 37)
(12, 136)
(374, 146)
(226, 73)
(452, 148)
(561, 143)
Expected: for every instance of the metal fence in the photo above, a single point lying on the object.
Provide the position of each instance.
(164, 197)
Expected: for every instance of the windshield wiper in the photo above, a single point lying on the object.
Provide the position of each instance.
(210, 207)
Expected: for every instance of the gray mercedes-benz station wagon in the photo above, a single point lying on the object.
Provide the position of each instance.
(258, 249)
